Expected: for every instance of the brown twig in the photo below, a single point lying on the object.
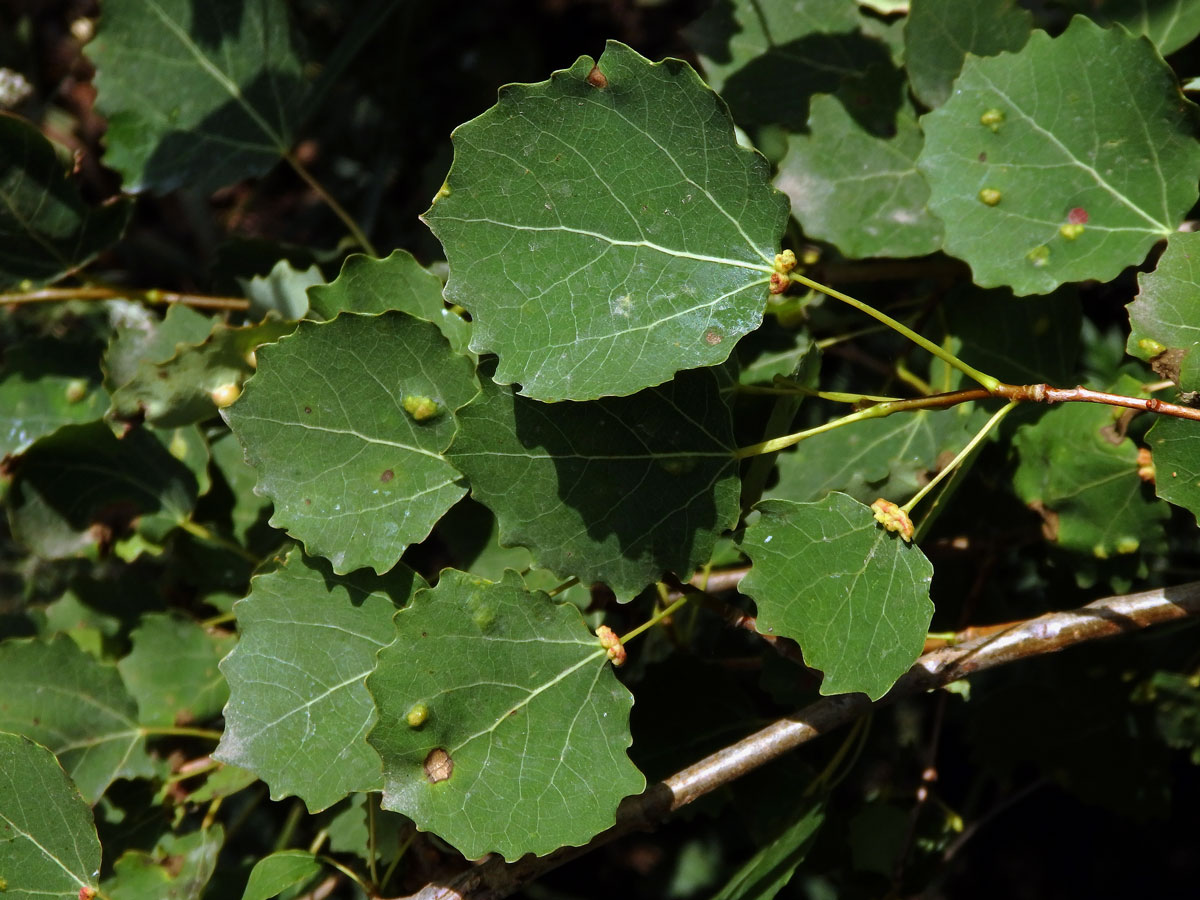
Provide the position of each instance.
(494, 879)
(1044, 393)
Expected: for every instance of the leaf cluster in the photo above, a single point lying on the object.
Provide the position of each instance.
(376, 502)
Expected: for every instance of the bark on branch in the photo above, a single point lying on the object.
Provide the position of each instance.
(493, 878)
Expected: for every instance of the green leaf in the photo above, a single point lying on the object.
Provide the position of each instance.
(1022, 340)
(178, 868)
(353, 473)
(61, 697)
(1176, 699)
(854, 596)
(224, 782)
(283, 291)
(1081, 475)
(196, 94)
(82, 487)
(889, 457)
(860, 189)
(765, 874)
(308, 641)
(48, 841)
(938, 35)
(501, 725)
(767, 57)
(1170, 24)
(350, 830)
(1175, 445)
(46, 230)
(281, 870)
(1049, 168)
(617, 491)
(172, 671)
(41, 390)
(370, 285)
(606, 233)
(142, 339)
(187, 387)
(247, 507)
(1164, 319)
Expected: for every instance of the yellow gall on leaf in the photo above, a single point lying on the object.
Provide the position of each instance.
(1151, 347)
(992, 119)
(989, 196)
(224, 395)
(810, 256)
(893, 518)
(785, 262)
(417, 716)
(612, 644)
(1071, 230)
(87, 892)
(76, 390)
(1127, 545)
(1039, 256)
(422, 409)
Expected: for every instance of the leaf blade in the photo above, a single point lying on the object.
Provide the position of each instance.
(47, 836)
(801, 552)
(528, 732)
(625, 273)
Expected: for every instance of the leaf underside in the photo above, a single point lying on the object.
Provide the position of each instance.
(617, 491)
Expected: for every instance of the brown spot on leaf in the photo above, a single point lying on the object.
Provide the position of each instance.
(307, 501)
(983, 157)
(596, 78)
(438, 765)
(713, 337)
(387, 476)
(1166, 364)
(1049, 520)
(308, 409)
(1115, 433)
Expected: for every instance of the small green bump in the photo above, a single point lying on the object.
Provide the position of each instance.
(422, 409)
(1151, 347)
(484, 617)
(417, 715)
(76, 390)
(989, 196)
(178, 447)
(993, 119)
(1038, 256)
(1127, 545)
(1100, 551)
(677, 465)
(1071, 230)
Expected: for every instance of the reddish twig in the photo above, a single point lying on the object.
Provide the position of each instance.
(1043, 393)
